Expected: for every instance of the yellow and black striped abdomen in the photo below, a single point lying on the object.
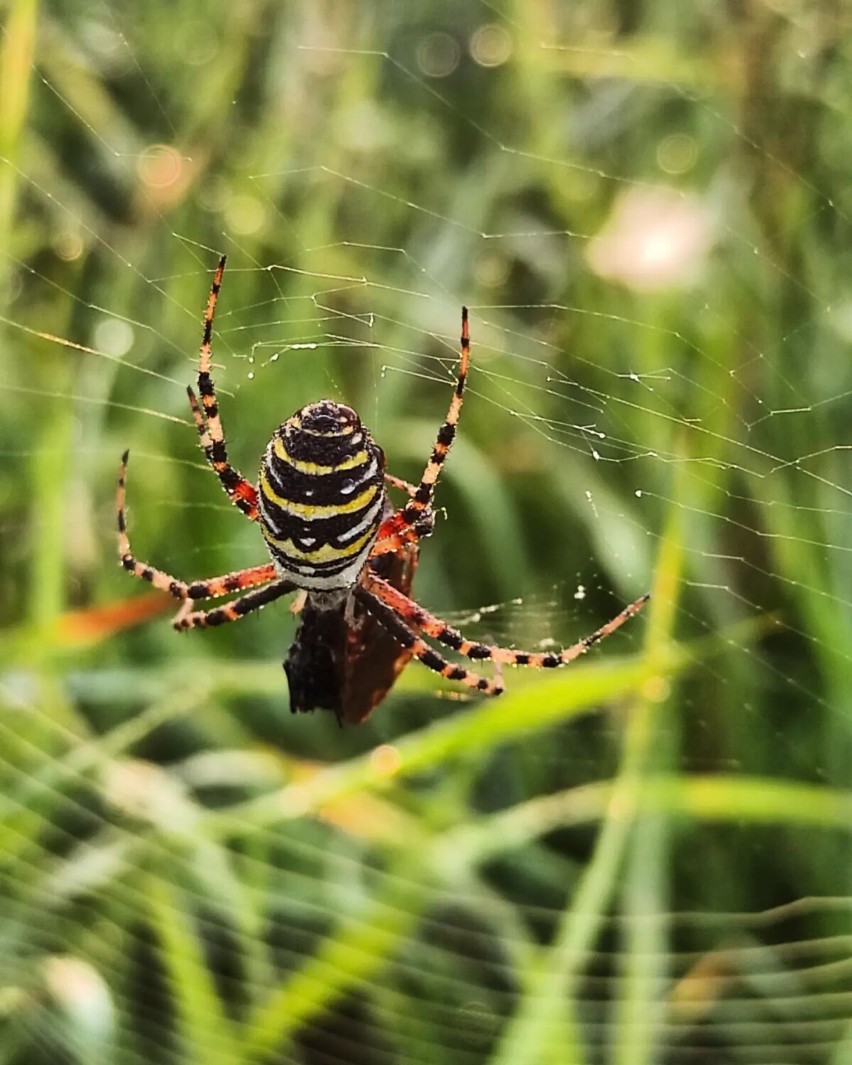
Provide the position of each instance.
(321, 496)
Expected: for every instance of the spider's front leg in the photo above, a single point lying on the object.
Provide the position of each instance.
(211, 434)
(241, 492)
(416, 519)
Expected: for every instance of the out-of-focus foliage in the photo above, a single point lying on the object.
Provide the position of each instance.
(647, 208)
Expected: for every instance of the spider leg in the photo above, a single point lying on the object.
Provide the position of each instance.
(234, 610)
(403, 486)
(408, 638)
(212, 436)
(423, 621)
(207, 589)
(415, 520)
(241, 492)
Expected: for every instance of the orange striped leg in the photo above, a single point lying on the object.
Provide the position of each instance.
(208, 589)
(232, 611)
(414, 614)
(415, 520)
(209, 424)
(407, 638)
(394, 535)
(241, 492)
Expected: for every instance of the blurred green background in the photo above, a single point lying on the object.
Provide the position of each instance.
(642, 858)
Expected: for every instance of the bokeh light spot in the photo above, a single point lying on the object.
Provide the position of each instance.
(245, 214)
(677, 153)
(113, 336)
(438, 55)
(385, 760)
(491, 45)
(159, 166)
(68, 245)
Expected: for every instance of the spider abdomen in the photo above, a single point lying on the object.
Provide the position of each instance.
(321, 496)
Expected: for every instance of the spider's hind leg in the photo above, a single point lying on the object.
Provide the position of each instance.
(413, 615)
(406, 635)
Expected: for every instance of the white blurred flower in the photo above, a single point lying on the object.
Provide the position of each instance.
(654, 239)
(149, 793)
(83, 994)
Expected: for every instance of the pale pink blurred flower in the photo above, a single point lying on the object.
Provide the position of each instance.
(653, 239)
(78, 987)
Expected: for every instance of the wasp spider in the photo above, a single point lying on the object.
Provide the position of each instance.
(322, 506)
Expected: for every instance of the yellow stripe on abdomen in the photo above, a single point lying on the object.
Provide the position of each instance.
(315, 468)
(323, 554)
(317, 511)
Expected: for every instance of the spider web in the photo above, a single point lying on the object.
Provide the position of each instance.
(643, 858)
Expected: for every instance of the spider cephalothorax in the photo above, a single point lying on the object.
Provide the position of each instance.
(333, 535)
